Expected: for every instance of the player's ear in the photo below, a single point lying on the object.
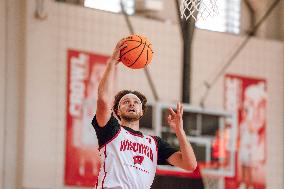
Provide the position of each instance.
(141, 113)
(118, 112)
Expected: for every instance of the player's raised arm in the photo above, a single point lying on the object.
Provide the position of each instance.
(106, 87)
(185, 158)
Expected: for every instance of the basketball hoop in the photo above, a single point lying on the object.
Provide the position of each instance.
(211, 182)
(198, 9)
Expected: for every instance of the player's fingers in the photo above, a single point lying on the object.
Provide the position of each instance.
(118, 61)
(172, 111)
(120, 43)
(120, 53)
(178, 108)
(169, 118)
(181, 109)
(123, 46)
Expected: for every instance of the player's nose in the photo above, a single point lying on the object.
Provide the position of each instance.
(131, 104)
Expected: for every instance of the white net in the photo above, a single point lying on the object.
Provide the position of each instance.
(198, 9)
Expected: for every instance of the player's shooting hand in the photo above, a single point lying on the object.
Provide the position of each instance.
(116, 52)
(175, 118)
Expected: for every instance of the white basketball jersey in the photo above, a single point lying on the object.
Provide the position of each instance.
(128, 161)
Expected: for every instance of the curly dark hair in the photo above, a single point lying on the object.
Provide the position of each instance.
(120, 94)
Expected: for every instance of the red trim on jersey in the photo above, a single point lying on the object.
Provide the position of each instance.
(195, 174)
(110, 139)
(134, 133)
(97, 182)
(104, 168)
(175, 173)
(155, 142)
(156, 147)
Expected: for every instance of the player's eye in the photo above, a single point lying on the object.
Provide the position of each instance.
(126, 102)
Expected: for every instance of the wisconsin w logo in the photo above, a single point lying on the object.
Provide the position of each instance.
(138, 159)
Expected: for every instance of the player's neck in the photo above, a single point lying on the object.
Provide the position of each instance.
(131, 124)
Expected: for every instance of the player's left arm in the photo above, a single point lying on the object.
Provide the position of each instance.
(184, 158)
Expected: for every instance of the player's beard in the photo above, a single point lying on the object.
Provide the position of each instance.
(130, 118)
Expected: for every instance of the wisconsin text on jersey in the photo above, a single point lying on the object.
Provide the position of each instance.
(136, 147)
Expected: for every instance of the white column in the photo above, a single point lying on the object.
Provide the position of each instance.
(2, 87)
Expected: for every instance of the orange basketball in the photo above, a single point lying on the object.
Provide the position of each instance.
(138, 52)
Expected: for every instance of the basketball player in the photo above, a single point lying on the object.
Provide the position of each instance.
(129, 158)
(252, 126)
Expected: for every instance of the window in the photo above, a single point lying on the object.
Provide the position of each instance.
(111, 5)
(146, 121)
(227, 20)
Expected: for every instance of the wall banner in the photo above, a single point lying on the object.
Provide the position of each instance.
(248, 98)
(84, 71)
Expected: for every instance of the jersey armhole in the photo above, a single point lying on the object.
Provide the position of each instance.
(156, 142)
